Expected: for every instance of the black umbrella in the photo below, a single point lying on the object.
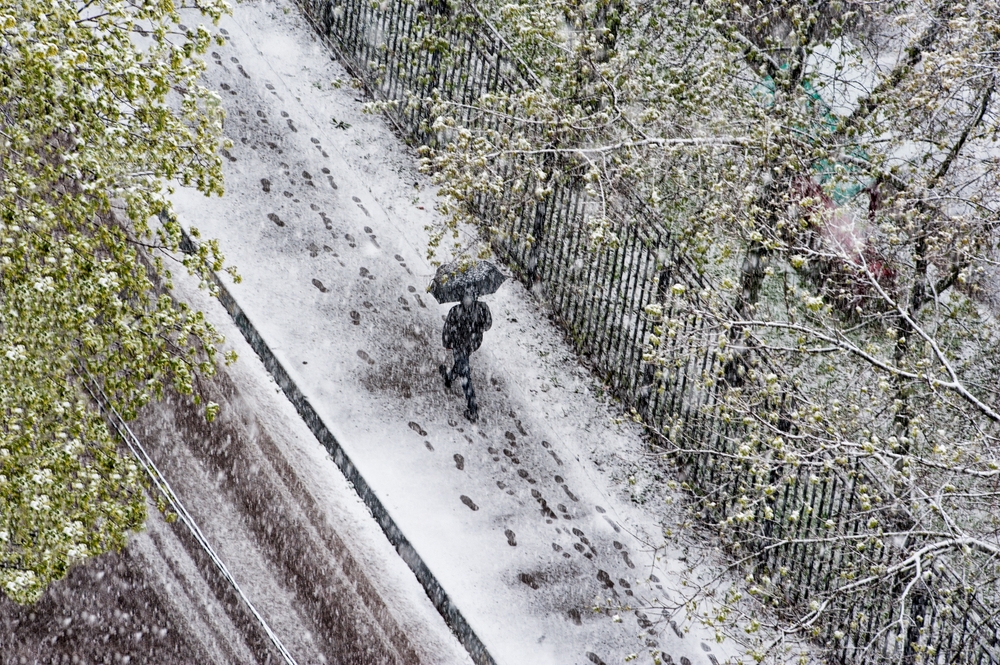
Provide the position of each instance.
(453, 280)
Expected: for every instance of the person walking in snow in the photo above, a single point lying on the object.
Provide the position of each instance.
(463, 334)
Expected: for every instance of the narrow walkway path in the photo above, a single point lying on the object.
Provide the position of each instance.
(532, 517)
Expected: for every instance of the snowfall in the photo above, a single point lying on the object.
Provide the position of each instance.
(548, 522)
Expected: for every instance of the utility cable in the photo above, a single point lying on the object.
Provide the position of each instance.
(161, 484)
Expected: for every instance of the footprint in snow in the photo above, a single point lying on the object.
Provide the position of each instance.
(546, 511)
(417, 428)
(404, 303)
(469, 502)
(350, 240)
(327, 222)
(287, 194)
(266, 185)
(313, 250)
(355, 317)
(546, 444)
(291, 125)
(364, 272)
(412, 289)
(364, 356)
(583, 539)
(459, 461)
(528, 579)
(274, 218)
(319, 285)
(608, 519)
(511, 538)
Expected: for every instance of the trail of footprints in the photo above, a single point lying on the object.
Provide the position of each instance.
(507, 454)
(580, 543)
(307, 180)
(562, 513)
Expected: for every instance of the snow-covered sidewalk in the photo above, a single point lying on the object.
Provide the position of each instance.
(528, 518)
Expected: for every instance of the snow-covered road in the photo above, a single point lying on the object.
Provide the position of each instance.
(295, 536)
(528, 519)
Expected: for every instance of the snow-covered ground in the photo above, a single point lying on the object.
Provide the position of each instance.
(294, 535)
(542, 511)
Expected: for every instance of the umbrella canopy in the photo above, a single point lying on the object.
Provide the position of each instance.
(454, 279)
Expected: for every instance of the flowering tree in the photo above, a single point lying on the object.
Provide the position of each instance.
(100, 107)
(833, 168)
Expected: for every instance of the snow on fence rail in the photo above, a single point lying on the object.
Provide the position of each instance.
(407, 51)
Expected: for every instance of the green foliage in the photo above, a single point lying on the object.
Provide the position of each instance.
(833, 167)
(100, 108)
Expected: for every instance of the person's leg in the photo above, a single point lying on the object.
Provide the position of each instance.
(449, 375)
(463, 370)
(446, 375)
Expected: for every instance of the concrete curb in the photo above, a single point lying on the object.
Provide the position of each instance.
(438, 596)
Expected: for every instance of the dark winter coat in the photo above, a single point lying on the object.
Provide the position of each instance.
(464, 327)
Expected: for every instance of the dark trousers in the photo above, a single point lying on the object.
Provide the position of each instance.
(461, 369)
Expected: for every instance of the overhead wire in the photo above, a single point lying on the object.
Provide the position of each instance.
(164, 488)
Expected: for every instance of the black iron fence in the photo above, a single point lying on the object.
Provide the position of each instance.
(408, 51)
